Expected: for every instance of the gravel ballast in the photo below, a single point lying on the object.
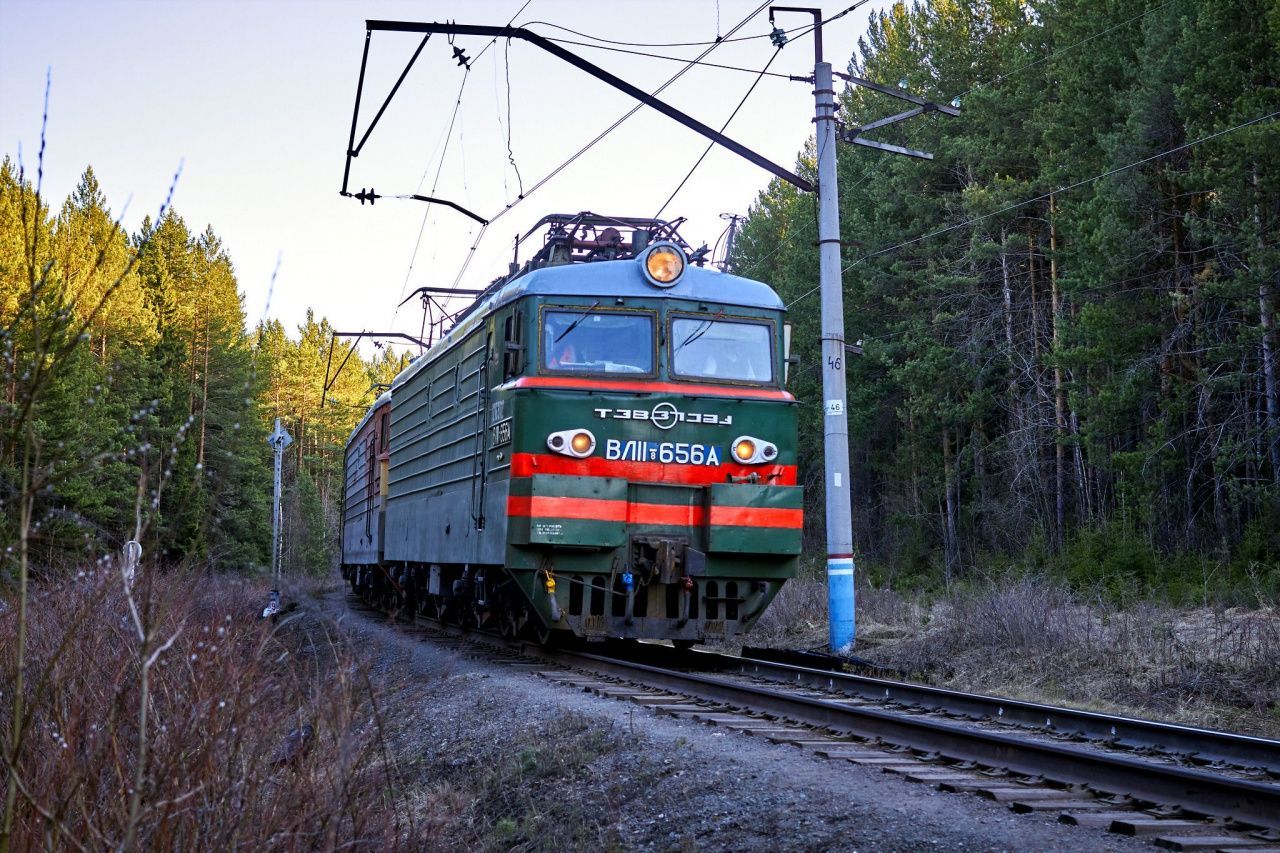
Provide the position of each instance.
(495, 757)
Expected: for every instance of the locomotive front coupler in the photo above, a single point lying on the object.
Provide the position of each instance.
(661, 558)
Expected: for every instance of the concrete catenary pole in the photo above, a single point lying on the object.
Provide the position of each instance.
(835, 429)
(835, 423)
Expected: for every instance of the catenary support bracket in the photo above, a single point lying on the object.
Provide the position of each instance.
(329, 382)
(559, 52)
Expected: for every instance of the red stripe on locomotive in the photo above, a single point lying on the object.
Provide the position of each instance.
(597, 509)
(528, 464)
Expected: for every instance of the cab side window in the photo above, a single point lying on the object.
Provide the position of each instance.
(513, 348)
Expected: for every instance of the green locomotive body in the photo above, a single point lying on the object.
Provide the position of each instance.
(590, 449)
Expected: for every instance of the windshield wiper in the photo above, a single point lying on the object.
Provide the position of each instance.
(698, 332)
(577, 322)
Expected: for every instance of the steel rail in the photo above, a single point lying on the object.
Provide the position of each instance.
(1194, 744)
(1195, 791)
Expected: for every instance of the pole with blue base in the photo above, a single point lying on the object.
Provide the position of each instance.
(835, 422)
(840, 597)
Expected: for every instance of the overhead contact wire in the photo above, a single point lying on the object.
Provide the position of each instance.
(440, 168)
(711, 145)
(427, 213)
(1066, 188)
(584, 149)
(668, 58)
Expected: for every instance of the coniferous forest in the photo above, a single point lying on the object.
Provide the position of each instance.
(1068, 322)
(1068, 316)
(137, 394)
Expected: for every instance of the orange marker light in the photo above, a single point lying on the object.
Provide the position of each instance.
(664, 264)
(744, 450)
(581, 442)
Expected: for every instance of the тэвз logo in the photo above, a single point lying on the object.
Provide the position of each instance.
(664, 415)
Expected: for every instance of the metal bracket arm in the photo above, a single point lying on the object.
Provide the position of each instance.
(353, 150)
(885, 146)
(600, 74)
(895, 92)
(881, 122)
(853, 134)
(448, 203)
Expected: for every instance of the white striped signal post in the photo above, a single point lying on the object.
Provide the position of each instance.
(279, 440)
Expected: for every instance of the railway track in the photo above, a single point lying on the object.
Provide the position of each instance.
(1184, 788)
(1251, 757)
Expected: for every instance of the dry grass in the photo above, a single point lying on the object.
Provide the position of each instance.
(210, 751)
(797, 617)
(1032, 638)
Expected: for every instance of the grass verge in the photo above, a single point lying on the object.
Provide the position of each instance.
(1031, 638)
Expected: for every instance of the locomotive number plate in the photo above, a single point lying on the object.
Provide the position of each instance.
(679, 452)
(500, 433)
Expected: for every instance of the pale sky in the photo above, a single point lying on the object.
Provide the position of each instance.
(254, 99)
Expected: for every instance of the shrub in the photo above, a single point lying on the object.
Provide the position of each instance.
(182, 740)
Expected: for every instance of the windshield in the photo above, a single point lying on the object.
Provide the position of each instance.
(595, 341)
(721, 349)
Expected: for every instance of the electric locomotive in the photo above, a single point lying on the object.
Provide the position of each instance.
(602, 445)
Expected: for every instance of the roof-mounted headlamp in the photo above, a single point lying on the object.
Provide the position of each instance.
(663, 263)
